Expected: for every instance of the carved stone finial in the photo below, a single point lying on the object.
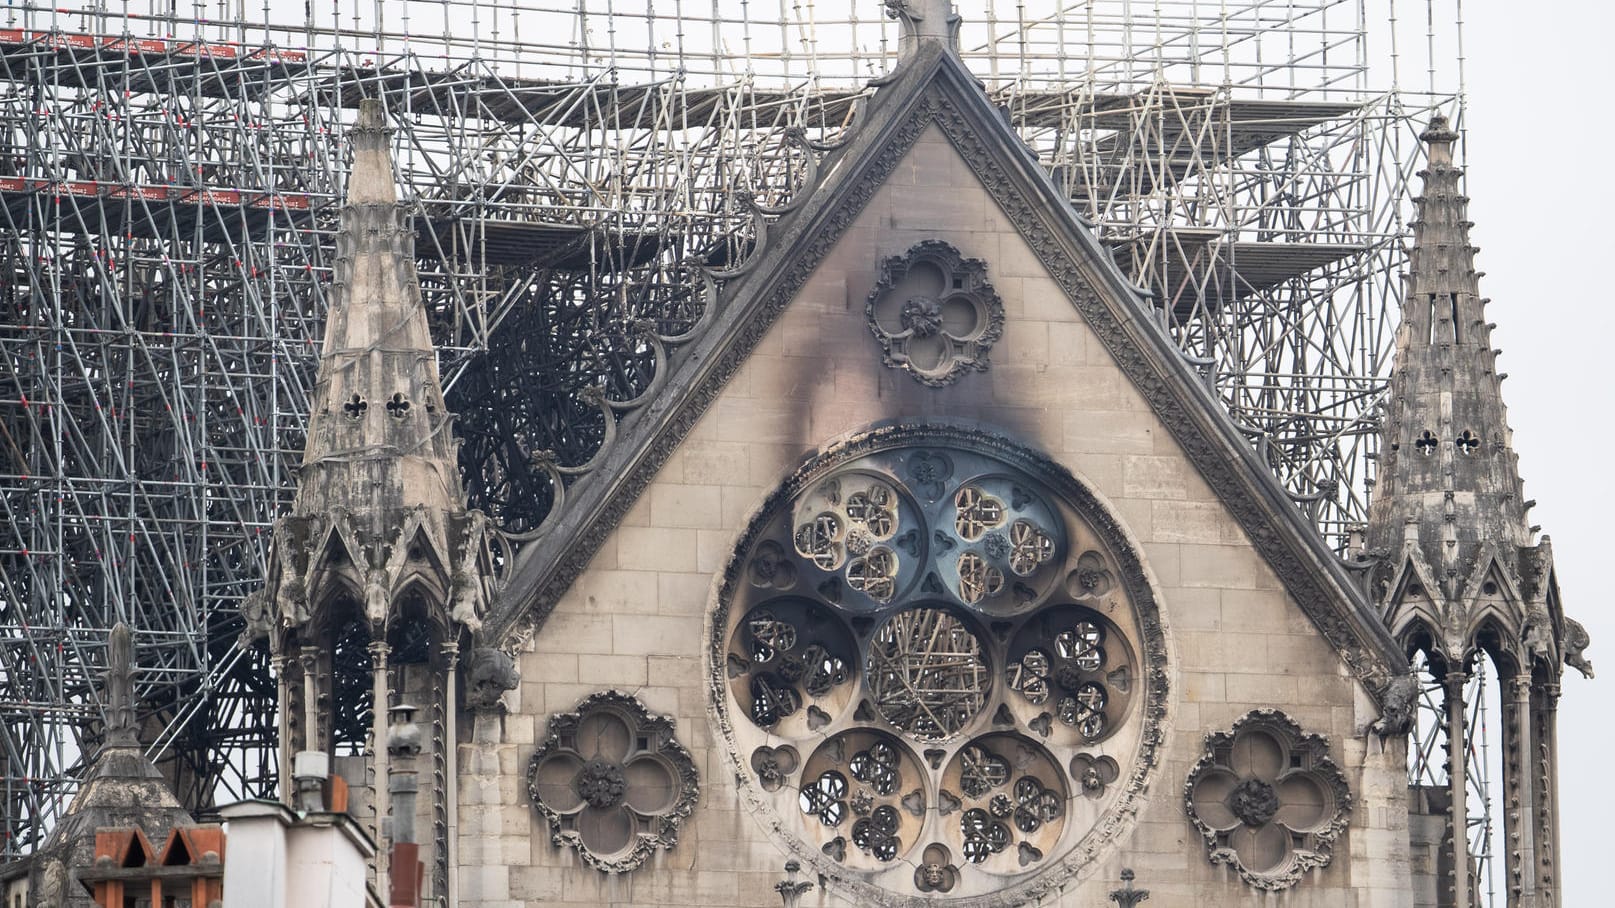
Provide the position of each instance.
(924, 20)
(119, 693)
(791, 889)
(1439, 136)
(1127, 896)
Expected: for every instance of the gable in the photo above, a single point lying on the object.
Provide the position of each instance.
(933, 95)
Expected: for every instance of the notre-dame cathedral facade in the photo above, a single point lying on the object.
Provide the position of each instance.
(927, 564)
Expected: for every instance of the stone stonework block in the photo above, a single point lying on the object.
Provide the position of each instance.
(560, 698)
(826, 295)
(1300, 654)
(621, 672)
(930, 163)
(1264, 611)
(1013, 258)
(1151, 476)
(739, 502)
(534, 884)
(686, 506)
(773, 381)
(656, 635)
(639, 515)
(571, 631)
(1025, 343)
(1224, 566)
(485, 882)
(1191, 521)
(1101, 471)
(520, 728)
(683, 594)
(549, 667)
(1108, 432)
(1259, 689)
(1196, 610)
(713, 548)
(858, 379)
(657, 548)
(714, 462)
(1069, 343)
(1204, 687)
(1138, 515)
(962, 210)
(758, 420)
(1165, 563)
(617, 591)
(1020, 384)
(675, 671)
(1201, 651)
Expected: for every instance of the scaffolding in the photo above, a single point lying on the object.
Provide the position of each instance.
(169, 180)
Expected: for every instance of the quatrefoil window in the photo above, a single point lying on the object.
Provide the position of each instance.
(354, 407)
(1268, 800)
(934, 313)
(613, 781)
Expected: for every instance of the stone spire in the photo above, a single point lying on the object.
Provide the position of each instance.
(378, 433)
(121, 789)
(1459, 569)
(380, 574)
(1448, 475)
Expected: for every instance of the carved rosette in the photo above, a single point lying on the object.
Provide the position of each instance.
(939, 669)
(934, 313)
(1268, 799)
(613, 781)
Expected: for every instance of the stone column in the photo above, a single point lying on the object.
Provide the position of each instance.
(1545, 770)
(378, 754)
(1458, 785)
(1521, 819)
(445, 846)
(280, 665)
(308, 659)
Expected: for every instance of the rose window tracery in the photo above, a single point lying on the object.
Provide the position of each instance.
(1072, 666)
(1267, 799)
(927, 663)
(613, 781)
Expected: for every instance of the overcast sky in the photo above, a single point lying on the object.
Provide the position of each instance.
(1537, 198)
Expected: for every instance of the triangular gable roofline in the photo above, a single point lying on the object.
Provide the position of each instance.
(934, 87)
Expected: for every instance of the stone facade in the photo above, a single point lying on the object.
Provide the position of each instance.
(636, 617)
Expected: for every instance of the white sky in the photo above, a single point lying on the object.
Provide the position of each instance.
(1534, 122)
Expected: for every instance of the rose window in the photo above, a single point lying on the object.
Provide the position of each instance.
(934, 313)
(612, 781)
(927, 661)
(1268, 799)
